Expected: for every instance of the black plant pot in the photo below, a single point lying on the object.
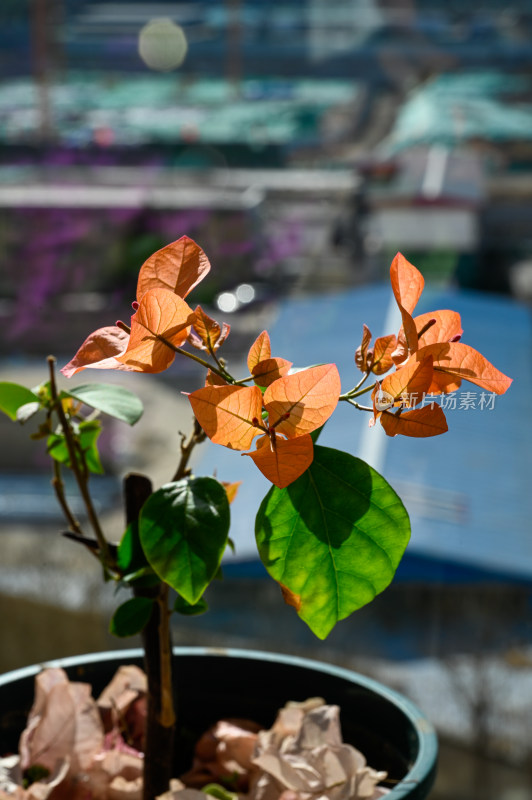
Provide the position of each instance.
(214, 683)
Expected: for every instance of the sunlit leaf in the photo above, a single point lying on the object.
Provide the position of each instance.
(116, 401)
(435, 326)
(333, 538)
(131, 617)
(270, 370)
(407, 285)
(87, 433)
(302, 402)
(213, 379)
(463, 362)
(99, 351)
(160, 314)
(178, 267)
(13, 396)
(407, 282)
(183, 530)
(362, 349)
(382, 359)
(228, 414)
(419, 422)
(260, 350)
(283, 462)
(448, 325)
(210, 334)
(412, 381)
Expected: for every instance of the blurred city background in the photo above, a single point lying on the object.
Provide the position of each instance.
(301, 144)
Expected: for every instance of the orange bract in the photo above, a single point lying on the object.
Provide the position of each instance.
(177, 267)
(412, 380)
(382, 354)
(231, 489)
(99, 351)
(211, 334)
(301, 403)
(228, 414)
(270, 370)
(463, 363)
(407, 285)
(420, 422)
(160, 314)
(260, 350)
(283, 462)
(361, 352)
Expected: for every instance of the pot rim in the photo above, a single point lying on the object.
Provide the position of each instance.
(427, 754)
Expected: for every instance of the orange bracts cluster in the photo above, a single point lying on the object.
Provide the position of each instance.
(280, 406)
(429, 358)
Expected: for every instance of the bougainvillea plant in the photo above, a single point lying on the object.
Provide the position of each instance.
(331, 531)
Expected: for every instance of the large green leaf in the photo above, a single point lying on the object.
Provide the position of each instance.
(113, 400)
(333, 539)
(13, 396)
(183, 530)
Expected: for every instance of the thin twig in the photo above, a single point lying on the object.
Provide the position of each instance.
(81, 476)
(357, 405)
(197, 436)
(357, 393)
(59, 489)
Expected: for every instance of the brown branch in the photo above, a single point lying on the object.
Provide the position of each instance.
(80, 475)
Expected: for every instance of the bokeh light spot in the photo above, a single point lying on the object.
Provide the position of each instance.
(162, 45)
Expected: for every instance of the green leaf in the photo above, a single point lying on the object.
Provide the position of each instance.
(215, 790)
(333, 539)
(131, 561)
(130, 555)
(183, 530)
(13, 396)
(87, 434)
(131, 617)
(189, 610)
(113, 400)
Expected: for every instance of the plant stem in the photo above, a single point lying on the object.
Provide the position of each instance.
(221, 372)
(80, 475)
(197, 436)
(59, 489)
(357, 392)
(156, 639)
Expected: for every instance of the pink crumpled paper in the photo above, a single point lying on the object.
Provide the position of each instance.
(303, 757)
(91, 750)
(86, 759)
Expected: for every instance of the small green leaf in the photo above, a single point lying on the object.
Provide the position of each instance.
(132, 562)
(113, 400)
(131, 617)
(214, 790)
(144, 578)
(333, 539)
(189, 610)
(87, 434)
(130, 555)
(183, 530)
(13, 396)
